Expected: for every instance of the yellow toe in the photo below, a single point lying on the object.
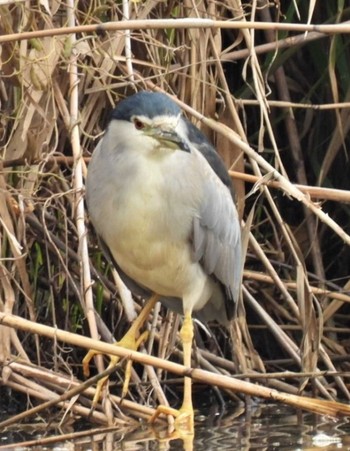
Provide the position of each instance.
(184, 418)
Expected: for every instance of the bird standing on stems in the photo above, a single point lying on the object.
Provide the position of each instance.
(161, 202)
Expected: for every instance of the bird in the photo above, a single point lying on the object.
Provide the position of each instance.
(162, 204)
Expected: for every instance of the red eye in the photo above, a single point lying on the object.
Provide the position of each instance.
(139, 125)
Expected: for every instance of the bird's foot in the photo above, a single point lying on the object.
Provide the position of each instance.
(183, 418)
(129, 341)
(184, 422)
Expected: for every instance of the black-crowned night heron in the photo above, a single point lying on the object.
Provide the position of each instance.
(161, 202)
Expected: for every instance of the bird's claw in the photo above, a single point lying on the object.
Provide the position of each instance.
(183, 418)
(184, 422)
(129, 341)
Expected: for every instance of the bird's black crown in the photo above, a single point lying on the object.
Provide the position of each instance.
(145, 103)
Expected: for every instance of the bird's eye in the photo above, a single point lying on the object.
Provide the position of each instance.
(139, 125)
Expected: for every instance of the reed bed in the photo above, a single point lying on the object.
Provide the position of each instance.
(256, 78)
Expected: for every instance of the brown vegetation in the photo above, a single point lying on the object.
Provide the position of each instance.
(246, 79)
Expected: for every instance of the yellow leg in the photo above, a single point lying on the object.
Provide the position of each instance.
(131, 340)
(184, 417)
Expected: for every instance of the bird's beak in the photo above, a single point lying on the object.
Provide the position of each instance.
(171, 138)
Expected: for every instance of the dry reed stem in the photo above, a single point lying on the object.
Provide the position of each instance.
(315, 192)
(79, 189)
(73, 436)
(296, 106)
(293, 286)
(291, 41)
(176, 24)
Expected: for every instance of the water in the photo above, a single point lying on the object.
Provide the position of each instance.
(271, 427)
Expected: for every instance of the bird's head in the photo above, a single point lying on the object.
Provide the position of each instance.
(154, 118)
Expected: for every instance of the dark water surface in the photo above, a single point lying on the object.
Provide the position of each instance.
(265, 427)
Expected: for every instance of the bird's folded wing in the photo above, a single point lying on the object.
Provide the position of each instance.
(216, 235)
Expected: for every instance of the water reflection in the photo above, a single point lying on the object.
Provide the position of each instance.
(265, 427)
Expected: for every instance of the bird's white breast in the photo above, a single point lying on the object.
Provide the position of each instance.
(133, 211)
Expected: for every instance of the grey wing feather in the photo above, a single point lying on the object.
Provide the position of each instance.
(216, 236)
(216, 229)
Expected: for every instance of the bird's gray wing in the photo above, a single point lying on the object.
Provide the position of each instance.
(216, 236)
(200, 141)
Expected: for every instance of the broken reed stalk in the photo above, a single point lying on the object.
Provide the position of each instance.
(322, 407)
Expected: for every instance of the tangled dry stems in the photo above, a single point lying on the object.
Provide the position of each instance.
(56, 94)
